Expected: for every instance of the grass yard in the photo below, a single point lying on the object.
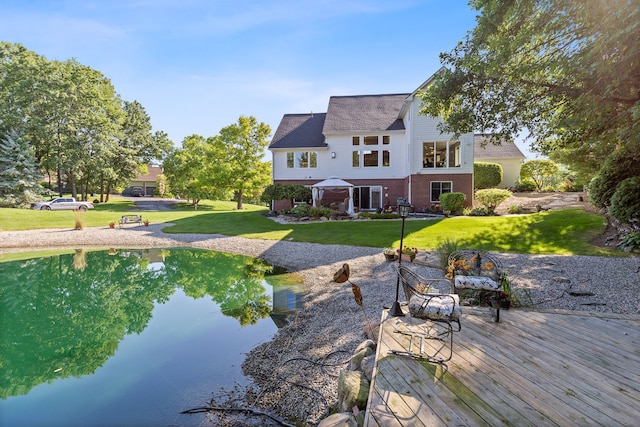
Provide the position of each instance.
(566, 231)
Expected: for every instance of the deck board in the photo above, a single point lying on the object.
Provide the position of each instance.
(549, 368)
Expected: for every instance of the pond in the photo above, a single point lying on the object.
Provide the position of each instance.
(131, 337)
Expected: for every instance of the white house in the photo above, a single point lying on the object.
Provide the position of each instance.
(507, 154)
(380, 145)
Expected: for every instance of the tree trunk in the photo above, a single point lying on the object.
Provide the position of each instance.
(239, 200)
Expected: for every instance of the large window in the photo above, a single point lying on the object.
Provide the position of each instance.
(371, 157)
(302, 159)
(438, 188)
(441, 154)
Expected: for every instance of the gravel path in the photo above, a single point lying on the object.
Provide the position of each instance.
(331, 321)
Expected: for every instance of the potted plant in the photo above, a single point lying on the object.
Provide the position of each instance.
(389, 254)
(145, 222)
(112, 224)
(407, 253)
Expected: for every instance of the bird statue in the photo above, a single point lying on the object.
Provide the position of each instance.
(341, 276)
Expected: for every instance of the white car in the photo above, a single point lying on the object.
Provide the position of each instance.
(62, 203)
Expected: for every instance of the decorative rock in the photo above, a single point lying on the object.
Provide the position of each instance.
(343, 419)
(356, 359)
(353, 390)
(365, 344)
(367, 365)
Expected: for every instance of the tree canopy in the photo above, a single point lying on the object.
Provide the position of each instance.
(565, 71)
(76, 124)
(222, 166)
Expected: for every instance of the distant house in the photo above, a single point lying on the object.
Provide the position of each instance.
(379, 146)
(146, 181)
(507, 154)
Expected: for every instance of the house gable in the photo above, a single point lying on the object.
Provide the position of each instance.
(299, 131)
(507, 154)
(364, 113)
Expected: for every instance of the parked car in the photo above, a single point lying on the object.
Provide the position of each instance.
(137, 191)
(62, 203)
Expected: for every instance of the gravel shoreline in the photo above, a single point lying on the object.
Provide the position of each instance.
(331, 325)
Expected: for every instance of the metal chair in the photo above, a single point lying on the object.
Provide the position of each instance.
(434, 340)
(477, 271)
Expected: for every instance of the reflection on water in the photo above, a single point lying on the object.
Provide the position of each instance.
(130, 337)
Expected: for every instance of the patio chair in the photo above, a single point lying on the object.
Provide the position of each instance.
(441, 313)
(477, 271)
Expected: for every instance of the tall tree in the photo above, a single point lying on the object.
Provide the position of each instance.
(565, 70)
(186, 167)
(237, 158)
(19, 172)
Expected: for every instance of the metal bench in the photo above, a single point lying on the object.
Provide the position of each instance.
(441, 313)
(130, 219)
(477, 271)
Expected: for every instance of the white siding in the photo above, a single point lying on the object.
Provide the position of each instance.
(341, 165)
(510, 171)
(424, 129)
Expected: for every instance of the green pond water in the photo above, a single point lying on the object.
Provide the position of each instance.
(130, 337)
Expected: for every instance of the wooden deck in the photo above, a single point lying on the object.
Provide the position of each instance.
(533, 369)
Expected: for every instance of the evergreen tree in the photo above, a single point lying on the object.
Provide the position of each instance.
(19, 174)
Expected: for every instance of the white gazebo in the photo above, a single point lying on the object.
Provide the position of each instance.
(332, 183)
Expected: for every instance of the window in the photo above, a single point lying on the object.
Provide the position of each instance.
(441, 154)
(355, 162)
(370, 158)
(438, 188)
(370, 140)
(302, 159)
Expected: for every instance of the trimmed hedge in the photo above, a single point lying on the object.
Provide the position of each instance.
(625, 202)
(486, 175)
(453, 202)
(490, 198)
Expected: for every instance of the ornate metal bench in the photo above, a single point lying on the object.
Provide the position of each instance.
(130, 219)
(479, 271)
(441, 312)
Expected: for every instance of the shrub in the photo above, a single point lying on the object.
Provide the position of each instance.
(445, 248)
(319, 211)
(383, 215)
(514, 209)
(453, 202)
(622, 164)
(479, 212)
(486, 175)
(491, 198)
(631, 242)
(625, 202)
(525, 185)
(301, 209)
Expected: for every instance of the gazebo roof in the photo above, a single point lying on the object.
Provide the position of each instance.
(332, 182)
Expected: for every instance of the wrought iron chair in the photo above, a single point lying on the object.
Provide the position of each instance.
(478, 271)
(441, 312)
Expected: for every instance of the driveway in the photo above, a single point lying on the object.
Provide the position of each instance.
(153, 204)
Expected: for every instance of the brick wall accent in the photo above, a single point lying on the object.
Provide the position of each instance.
(421, 188)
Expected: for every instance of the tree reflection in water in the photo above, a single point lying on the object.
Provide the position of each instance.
(65, 315)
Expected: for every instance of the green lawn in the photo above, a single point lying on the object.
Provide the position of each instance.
(555, 232)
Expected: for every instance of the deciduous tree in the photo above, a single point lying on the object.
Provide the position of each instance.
(566, 71)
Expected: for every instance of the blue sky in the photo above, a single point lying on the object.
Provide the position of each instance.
(198, 65)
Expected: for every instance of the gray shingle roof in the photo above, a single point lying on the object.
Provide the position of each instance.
(299, 131)
(364, 113)
(507, 149)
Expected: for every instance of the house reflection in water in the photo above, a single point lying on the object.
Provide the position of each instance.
(287, 299)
